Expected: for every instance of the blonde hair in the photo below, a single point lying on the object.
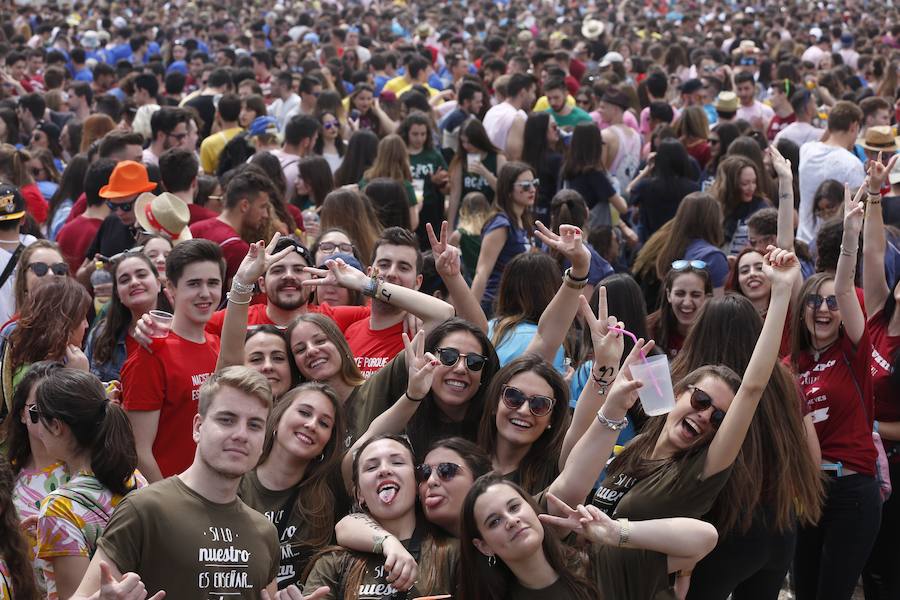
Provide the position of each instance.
(240, 378)
(391, 161)
(474, 212)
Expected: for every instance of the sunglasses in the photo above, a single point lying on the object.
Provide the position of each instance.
(450, 356)
(40, 268)
(527, 186)
(513, 398)
(34, 415)
(700, 401)
(329, 125)
(446, 471)
(332, 247)
(123, 206)
(684, 265)
(814, 301)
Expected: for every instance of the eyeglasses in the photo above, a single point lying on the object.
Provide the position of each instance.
(332, 247)
(513, 398)
(527, 186)
(123, 206)
(34, 415)
(814, 301)
(450, 356)
(41, 268)
(700, 401)
(684, 265)
(446, 471)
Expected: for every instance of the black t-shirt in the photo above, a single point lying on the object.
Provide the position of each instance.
(206, 107)
(658, 199)
(549, 174)
(112, 238)
(890, 207)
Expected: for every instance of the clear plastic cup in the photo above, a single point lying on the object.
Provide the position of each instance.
(419, 188)
(657, 395)
(472, 160)
(162, 323)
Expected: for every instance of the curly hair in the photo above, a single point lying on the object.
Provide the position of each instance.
(13, 547)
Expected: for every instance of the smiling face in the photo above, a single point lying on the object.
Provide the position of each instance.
(282, 282)
(315, 355)
(268, 354)
(136, 285)
(48, 256)
(386, 482)
(521, 196)
(442, 500)
(508, 526)
(306, 427)
(397, 264)
(158, 249)
(823, 324)
(363, 101)
(747, 183)
(687, 297)
(198, 292)
(454, 386)
(685, 425)
(230, 437)
(752, 281)
(518, 427)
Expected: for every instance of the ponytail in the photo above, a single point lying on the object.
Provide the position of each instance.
(113, 453)
(19, 168)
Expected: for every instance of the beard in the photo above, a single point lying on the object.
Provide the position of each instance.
(290, 303)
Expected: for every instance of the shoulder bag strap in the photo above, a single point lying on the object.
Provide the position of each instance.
(11, 265)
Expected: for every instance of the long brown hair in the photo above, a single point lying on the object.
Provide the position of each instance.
(772, 466)
(46, 322)
(801, 338)
(727, 187)
(391, 161)
(14, 165)
(698, 217)
(13, 547)
(350, 373)
(539, 466)
(506, 185)
(661, 323)
(528, 284)
(352, 212)
(480, 581)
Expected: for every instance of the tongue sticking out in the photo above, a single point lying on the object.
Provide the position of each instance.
(387, 494)
(433, 501)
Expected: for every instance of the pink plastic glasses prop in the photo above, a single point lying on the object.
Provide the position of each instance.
(641, 350)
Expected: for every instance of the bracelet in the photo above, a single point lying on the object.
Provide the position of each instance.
(568, 273)
(845, 252)
(571, 282)
(684, 572)
(610, 424)
(601, 385)
(240, 287)
(233, 301)
(371, 288)
(624, 531)
(416, 400)
(873, 201)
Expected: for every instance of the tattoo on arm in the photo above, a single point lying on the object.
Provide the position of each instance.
(365, 519)
(603, 375)
(385, 295)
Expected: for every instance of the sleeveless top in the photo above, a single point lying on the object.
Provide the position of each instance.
(625, 165)
(473, 182)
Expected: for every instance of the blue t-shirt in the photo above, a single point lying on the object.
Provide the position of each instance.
(716, 263)
(517, 242)
(600, 268)
(515, 342)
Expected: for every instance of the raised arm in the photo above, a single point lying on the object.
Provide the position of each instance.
(558, 316)
(455, 197)
(875, 286)
(852, 316)
(781, 267)
(431, 310)
(447, 264)
(785, 233)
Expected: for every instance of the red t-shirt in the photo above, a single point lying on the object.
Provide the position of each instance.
(838, 392)
(35, 203)
(78, 208)
(343, 316)
(200, 213)
(372, 348)
(884, 348)
(74, 239)
(778, 123)
(234, 249)
(169, 380)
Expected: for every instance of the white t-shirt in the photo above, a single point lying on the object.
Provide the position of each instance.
(818, 162)
(282, 109)
(7, 295)
(754, 111)
(499, 120)
(800, 133)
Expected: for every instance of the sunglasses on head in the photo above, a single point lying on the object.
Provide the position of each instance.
(700, 400)
(123, 206)
(527, 186)
(814, 301)
(513, 398)
(446, 471)
(684, 265)
(34, 415)
(41, 268)
(450, 356)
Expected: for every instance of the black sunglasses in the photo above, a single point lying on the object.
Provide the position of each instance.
(34, 414)
(450, 356)
(513, 398)
(446, 471)
(814, 301)
(40, 268)
(700, 400)
(123, 206)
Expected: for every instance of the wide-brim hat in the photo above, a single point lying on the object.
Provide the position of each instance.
(879, 139)
(166, 214)
(128, 179)
(726, 102)
(592, 28)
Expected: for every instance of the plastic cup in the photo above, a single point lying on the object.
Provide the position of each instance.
(162, 323)
(472, 160)
(419, 188)
(657, 395)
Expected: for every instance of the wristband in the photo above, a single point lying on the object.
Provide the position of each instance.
(231, 298)
(571, 282)
(378, 548)
(624, 531)
(416, 400)
(610, 424)
(568, 273)
(371, 288)
(240, 287)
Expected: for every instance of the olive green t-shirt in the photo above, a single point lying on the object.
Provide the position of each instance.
(178, 541)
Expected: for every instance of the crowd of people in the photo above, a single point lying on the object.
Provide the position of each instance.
(472, 300)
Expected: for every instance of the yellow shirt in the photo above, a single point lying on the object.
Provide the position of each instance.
(212, 147)
(542, 104)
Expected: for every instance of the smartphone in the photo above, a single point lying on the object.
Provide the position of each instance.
(354, 114)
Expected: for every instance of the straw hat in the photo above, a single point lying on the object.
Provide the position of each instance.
(166, 214)
(880, 138)
(129, 178)
(592, 28)
(746, 47)
(726, 102)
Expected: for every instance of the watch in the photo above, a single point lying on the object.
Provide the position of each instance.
(378, 548)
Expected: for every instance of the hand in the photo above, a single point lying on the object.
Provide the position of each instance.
(682, 585)
(447, 258)
(568, 243)
(114, 391)
(421, 366)
(623, 394)
(781, 267)
(781, 165)
(337, 273)
(259, 259)
(128, 587)
(440, 177)
(412, 324)
(878, 172)
(75, 358)
(400, 565)
(292, 592)
(854, 209)
(588, 521)
(479, 169)
(608, 344)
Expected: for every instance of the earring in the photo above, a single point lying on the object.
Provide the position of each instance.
(549, 426)
(492, 560)
(321, 457)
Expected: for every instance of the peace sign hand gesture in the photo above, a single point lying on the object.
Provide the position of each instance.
(569, 243)
(421, 366)
(259, 259)
(446, 257)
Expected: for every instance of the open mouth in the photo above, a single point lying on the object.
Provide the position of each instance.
(456, 384)
(754, 283)
(317, 363)
(304, 438)
(203, 306)
(387, 491)
(691, 429)
(520, 423)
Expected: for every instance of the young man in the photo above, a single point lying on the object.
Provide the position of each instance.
(81, 96)
(751, 110)
(203, 101)
(262, 63)
(469, 100)
(146, 88)
(802, 130)
(190, 536)
(300, 136)
(830, 159)
(30, 110)
(160, 386)
(621, 143)
(245, 207)
(505, 122)
(286, 101)
(228, 112)
(12, 212)
(309, 90)
(178, 169)
(566, 116)
(169, 129)
(784, 113)
(76, 235)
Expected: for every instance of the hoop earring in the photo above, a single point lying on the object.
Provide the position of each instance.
(322, 457)
(492, 560)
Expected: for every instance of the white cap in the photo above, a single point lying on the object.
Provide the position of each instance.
(610, 58)
(120, 23)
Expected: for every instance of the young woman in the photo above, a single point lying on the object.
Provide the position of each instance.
(136, 287)
(831, 354)
(736, 190)
(583, 172)
(335, 241)
(696, 235)
(363, 228)
(658, 189)
(365, 112)
(541, 140)
(314, 182)
(384, 486)
(92, 435)
(330, 145)
(686, 288)
(392, 162)
(70, 188)
(475, 166)
(14, 170)
(827, 202)
(296, 480)
(16, 576)
(252, 107)
(506, 234)
(157, 248)
(361, 151)
(692, 129)
(569, 207)
(43, 169)
(429, 171)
